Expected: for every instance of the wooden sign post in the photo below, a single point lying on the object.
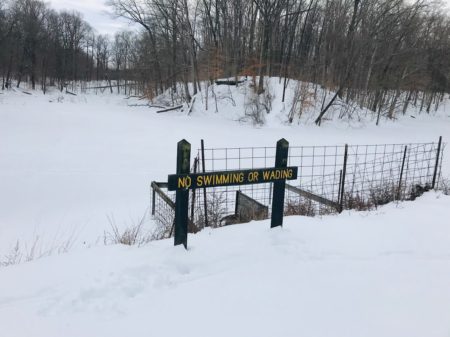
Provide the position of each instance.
(183, 181)
(182, 195)
(281, 157)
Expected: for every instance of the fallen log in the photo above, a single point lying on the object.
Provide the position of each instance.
(112, 85)
(170, 109)
(148, 105)
(132, 97)
(228, 82)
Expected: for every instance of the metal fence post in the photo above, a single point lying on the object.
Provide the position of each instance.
(153, 200)
(205, 202)
(182, 196)
(399, 190)
(344, 171)
(436, 167)
(281, 157)
(339, 190)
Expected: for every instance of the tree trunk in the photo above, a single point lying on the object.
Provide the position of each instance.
(346, 79)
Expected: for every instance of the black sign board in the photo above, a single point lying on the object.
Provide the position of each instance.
(230, 178)
(183, 181)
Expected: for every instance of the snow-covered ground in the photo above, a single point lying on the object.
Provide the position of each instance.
(69, 164)
(384, 273)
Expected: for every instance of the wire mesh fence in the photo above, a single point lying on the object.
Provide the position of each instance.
(330, 179)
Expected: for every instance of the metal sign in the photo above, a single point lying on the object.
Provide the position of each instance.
(230, 178)
(183, 181)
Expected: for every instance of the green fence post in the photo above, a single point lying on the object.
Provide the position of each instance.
(281, 158)
(182, 196)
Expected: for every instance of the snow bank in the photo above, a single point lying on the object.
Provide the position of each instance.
(383, 273)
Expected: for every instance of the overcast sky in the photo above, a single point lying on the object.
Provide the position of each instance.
(95, 12)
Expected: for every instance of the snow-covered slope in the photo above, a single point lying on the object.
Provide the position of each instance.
(384, 273)
(70, 164)
(303, 102)
(67, 163)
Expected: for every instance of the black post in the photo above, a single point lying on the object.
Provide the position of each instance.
(339, 189)
(344, 171)
(399, 190)
(153, 200)
(205, 203)
(436, 167)
(182, 196)
(281, 158)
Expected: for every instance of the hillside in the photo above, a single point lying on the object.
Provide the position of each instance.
(383, 273)
(302, 103)
(74, 164)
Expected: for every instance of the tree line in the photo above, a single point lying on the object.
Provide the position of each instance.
(382, 54)
(43, 47)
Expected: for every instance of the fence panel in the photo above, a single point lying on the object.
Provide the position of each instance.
(373, 175)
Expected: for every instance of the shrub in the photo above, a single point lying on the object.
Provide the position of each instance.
(301, 207)
(134, 234)
(444, 186)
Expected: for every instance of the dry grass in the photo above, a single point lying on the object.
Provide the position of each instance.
(134, 234)
(25, 252)
(301, 207)
(376, 197)
(444, 186)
